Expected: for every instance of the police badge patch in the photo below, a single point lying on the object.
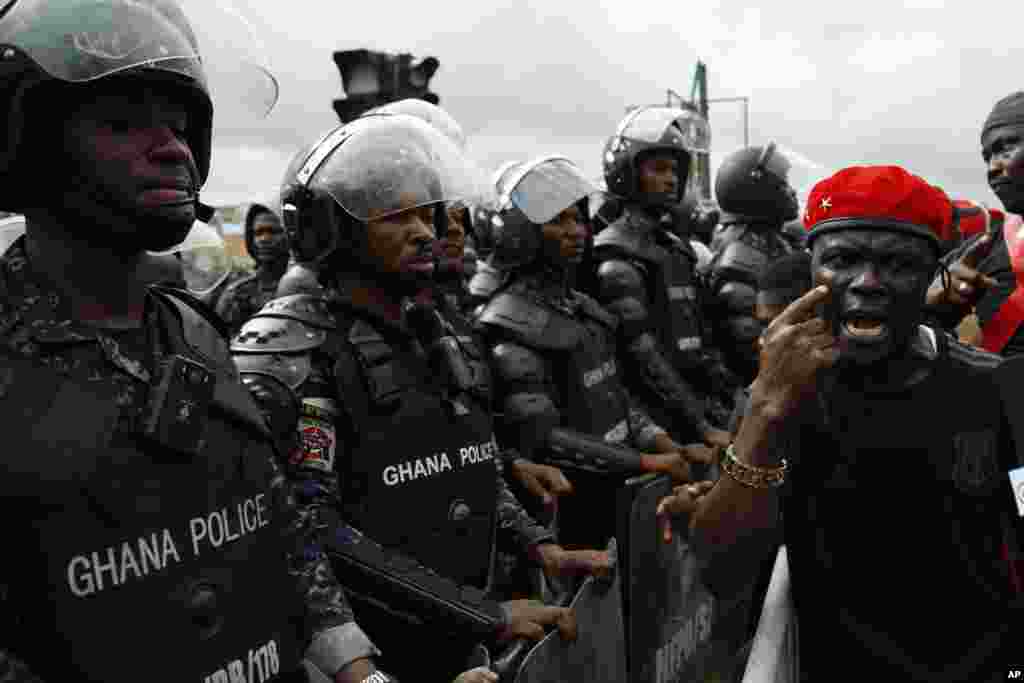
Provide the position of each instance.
(317, 438)
(976, 462)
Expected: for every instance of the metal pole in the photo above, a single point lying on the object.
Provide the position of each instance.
(746, 122)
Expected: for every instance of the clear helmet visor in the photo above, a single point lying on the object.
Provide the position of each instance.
(667, 125)
(204, 260)
(378, 166)
(431, 113)
(500, 178)
(207, 40)
(802, 172)
(543, 188)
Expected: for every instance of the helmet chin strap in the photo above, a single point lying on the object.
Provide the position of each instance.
(86, 201)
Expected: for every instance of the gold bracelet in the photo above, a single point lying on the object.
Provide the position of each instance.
(749, 475)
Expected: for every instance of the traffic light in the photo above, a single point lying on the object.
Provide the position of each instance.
(371, 79)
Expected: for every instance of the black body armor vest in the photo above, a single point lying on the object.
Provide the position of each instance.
(130, 560)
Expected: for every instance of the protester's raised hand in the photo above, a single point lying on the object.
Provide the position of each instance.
(966, 283)
(795, 347)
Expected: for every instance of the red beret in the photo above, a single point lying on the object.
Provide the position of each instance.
(971, 218)
(882, 198)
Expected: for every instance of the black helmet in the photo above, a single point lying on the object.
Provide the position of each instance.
(650, 129)
(754, 183)
(530, 195)
(370, 168)
(82, 41)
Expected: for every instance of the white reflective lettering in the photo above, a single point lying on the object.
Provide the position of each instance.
(275, 662)
(80, 579)
(128, 561)
(420, 470)
(405, 471)
(236, 672)
(261, 516)
(689, 343)
(390, 475)
(618, 433)
(216, 529)
(249, 509)
(98, 568)
(227, 528)
(150, 553)
(169, 548)
(197, 526)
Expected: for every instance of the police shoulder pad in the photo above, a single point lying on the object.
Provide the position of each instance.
(486, 281)
(307, 308)
(289, 369)
(265, 334)
(529, 322)
(203, 331)
(740, 259)
(596, 311)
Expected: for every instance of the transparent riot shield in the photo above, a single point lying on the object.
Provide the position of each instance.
(203, 260)
(670, 613)
(11, 228)
(598, 655)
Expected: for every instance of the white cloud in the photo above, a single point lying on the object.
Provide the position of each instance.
(890, 54)
(538, 77)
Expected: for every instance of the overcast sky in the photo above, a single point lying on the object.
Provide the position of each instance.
(838, 83)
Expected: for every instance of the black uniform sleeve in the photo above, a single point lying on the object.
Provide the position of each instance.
(642, 427)
(621, 290)
(331, 637)
(527, 406)
(514, 520)
(525, 397)
(13, 670)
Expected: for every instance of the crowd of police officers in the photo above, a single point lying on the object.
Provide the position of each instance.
(448, 415)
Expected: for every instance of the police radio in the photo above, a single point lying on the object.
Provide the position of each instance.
(444, 353)
(176, 415)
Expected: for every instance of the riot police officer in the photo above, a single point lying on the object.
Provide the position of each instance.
(487, 223)
(553, 349)
(757, 200)
(560, 396)
(646, 275)
(392, 404)
(267, 245)
(150, 529)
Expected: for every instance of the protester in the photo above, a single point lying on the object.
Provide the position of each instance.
(850, 411)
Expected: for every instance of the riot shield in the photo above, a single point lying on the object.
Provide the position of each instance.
(670, 613)
(598, 655)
